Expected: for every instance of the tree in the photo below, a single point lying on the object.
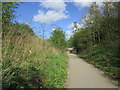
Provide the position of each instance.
(69, 42)
(93, 21)
(111, 21)
(99, 40)
(58, 38)
(80, 40)
(8, 9)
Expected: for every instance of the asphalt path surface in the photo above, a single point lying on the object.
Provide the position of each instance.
(84, 75)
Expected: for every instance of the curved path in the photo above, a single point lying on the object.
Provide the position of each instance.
(83, 75)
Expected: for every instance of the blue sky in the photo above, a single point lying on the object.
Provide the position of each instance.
(61, 14)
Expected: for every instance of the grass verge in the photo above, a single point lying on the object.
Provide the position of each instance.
(55, 70)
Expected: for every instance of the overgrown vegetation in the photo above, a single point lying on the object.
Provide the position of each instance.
(25, 63)
(98, 41)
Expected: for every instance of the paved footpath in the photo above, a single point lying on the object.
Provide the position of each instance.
(83, 75)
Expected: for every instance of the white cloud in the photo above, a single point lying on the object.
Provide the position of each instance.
(87, 3)
(69, 33)
(77, 24)
(53, 29)
(57, 11)
(71, 25)
(49, 16)
(59, 5)
(83, 3)
(26, 23)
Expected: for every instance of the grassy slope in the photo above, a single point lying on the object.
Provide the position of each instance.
(27, 64)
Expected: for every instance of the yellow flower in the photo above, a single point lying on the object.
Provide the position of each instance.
(40, 86)
(55, 75)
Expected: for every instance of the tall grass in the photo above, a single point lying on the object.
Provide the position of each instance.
(26, 64)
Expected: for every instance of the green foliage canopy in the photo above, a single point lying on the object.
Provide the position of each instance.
(58, 38)
(8, 9)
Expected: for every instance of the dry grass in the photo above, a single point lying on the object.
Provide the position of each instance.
(23, 55)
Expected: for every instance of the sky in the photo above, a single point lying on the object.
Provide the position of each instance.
(51, 15)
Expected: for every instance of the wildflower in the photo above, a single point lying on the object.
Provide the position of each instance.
(40, 86)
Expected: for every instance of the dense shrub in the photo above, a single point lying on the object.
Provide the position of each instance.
(103, 58)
